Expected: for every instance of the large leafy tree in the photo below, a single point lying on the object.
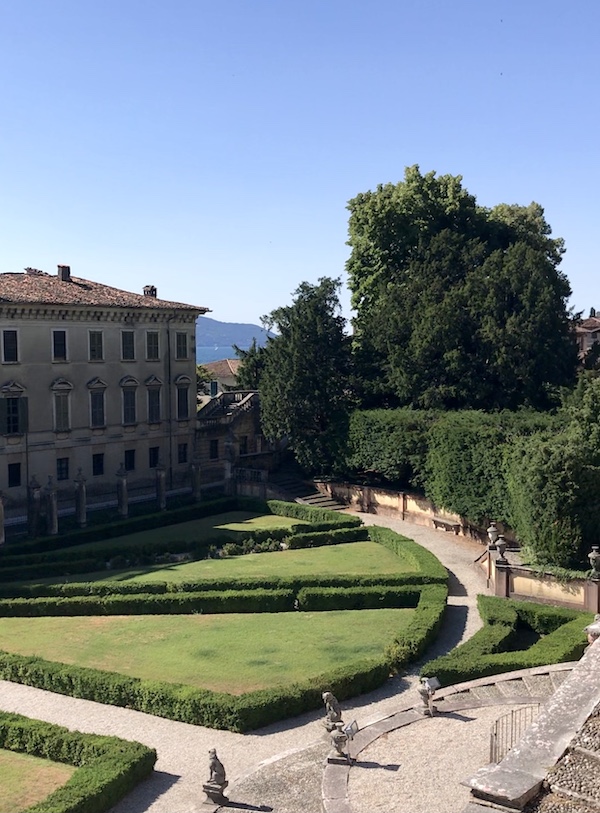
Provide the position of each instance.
(304, 381)
(456, 305)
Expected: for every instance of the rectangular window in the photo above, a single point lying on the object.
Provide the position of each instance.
(97, 409)
(59, 345)
(183, 405)
(13, 416)
(129, 405)
(97, 465)
(182, 453)
(14, 475)
(154, 406)
(244, 444)
(61, 412)
(62, 468)
(130, 460)
(214, 449)
(96, 345)
(10, 353)
(181, 345)
(152, 349)
(128, 345)
(153, 455)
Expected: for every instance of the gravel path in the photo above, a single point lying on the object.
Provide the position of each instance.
(266, 763)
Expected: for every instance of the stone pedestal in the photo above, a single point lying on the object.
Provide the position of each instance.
(161, 487)
(122, 496)
(80, 499)
(502, 581)
(51, 508)
(196, 480)
(34, 506)
(592, 595)
(214, 793)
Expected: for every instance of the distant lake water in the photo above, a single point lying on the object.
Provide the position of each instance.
(213, 353)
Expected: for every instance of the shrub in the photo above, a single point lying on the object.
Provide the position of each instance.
(357, 598)
(107, 767)
(432, 570)
(316, 539)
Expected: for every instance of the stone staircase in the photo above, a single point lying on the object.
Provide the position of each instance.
(289, 482)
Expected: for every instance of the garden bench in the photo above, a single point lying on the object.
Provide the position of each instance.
(446, 524)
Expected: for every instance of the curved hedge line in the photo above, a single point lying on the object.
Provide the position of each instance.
(488, 651)
(432, 570)
(107, 767)
(220, 710)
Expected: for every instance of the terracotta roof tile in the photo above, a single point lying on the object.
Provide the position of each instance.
(47, 289)
(224, 368)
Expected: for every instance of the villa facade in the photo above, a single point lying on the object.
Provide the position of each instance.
(94, 380)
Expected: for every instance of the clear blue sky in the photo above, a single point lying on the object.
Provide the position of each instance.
(209, 148)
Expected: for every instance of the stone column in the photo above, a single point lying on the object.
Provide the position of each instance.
(80, 499)
(502, 579)
(196, 479)
(34, 500)
(161, 487)
(2, 531)
(122, 498)
(592, 595)
(51, 507)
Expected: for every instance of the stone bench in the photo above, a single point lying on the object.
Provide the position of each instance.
(446, 524)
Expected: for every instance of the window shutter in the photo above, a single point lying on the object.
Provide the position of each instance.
(23, 415)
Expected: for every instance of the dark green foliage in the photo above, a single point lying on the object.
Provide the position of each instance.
(107, 767)
(317, 539)
(304, 382)
(412, 642)
(492, 650)
(311, 514)
(465, 470)
(390, 444)
(311, 599)
(210, 602)
(251, 369)
(457, 305)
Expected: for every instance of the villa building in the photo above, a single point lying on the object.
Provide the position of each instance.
(93, 379)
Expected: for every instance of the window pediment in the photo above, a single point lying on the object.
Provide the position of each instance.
(13, 388)
(129, 381)
(153, 381)
(61, 385)
(183, 380)
(96, 384)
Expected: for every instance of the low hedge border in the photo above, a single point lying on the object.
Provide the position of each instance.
(221, 710)
(486, 652)
(314, 599)
(107, 767)
(317, 539)
(231, 601)
(432, 570)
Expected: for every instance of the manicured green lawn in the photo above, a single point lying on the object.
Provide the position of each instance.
(354, 559)
(231, 653)
(233, 525)
(26, 780)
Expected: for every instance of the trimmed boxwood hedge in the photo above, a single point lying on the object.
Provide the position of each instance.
(317, 539)
(107, 767)
(221, 710)
(491, 650)
(425, 590)
(209, 602)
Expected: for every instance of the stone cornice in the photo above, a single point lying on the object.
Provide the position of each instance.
(125, 316)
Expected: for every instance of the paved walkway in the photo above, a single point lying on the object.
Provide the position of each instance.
(282, 762)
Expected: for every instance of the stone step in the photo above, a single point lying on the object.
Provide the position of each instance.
(513, 688)
(555, 802)
(539, 685)
(488, 694)
(558, 678)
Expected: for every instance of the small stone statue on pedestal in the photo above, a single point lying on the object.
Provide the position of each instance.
(216, 783)
(333, 711)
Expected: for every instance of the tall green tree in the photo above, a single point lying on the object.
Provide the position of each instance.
(304, 383)
(252, 365)
(456, 305)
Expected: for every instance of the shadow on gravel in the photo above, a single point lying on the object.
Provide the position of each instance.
(242, 806)
(366, 764)
(147, 792)
(453, 626)
(455, 586)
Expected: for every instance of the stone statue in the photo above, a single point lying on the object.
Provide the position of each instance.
(426, 691)
(339, 740)
(333, 712)
(593, 631)
(216, 783)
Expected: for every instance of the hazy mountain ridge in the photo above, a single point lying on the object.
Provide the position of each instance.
(210, 332)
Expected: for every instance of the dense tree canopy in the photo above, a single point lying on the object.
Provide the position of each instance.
(304, 380)
(456, 305)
